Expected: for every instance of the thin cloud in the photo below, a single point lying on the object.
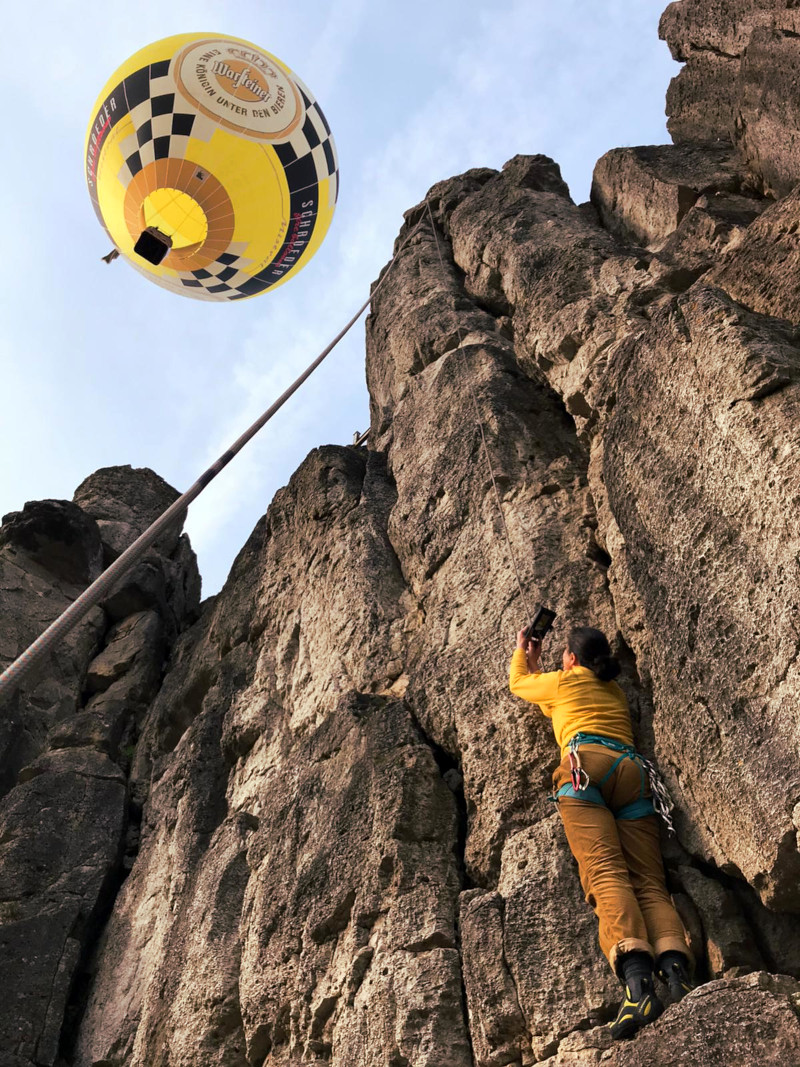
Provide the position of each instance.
(331, 50)
(108, 368)
(471, 116)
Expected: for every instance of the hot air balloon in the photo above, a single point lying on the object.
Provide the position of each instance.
(211, 166)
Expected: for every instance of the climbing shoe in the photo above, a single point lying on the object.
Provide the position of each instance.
(641, 1005)
(634, 1014)
(673, 970)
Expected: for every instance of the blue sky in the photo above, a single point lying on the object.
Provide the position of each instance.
(101, 367)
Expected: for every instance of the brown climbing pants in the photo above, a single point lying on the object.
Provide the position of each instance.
(619, 860)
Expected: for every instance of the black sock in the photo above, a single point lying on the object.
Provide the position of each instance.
(673, 958)
(674, 964)
(637, 973)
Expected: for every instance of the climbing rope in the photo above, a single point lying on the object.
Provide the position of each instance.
(479, 421)
(101, 587)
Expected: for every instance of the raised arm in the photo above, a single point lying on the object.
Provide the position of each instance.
(526, 680)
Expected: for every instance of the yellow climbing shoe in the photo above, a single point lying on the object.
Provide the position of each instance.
(634, 1014)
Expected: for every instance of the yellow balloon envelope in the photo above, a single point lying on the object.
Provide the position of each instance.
(211, 166)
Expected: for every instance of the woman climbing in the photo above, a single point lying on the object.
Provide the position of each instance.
(606, 805)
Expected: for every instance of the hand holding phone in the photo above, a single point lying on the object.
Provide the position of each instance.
(540, 626)
(524, 642)
(530, 639)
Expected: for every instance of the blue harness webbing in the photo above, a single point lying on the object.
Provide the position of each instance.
(581, 789)
(637, 809)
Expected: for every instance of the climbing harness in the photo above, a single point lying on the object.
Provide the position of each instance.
(580, 788)
(100, 588)
(479, 420)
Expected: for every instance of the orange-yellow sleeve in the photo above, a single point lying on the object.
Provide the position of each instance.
(540, 688)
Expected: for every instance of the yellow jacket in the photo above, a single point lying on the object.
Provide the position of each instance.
(576, 700)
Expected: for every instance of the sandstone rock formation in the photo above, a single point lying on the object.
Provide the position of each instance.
(738, 82)
(67, 828)
(321, 834)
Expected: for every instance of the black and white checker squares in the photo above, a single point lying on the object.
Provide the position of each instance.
(162, 132)
(163, 123)
(223, 276)
(309, 155)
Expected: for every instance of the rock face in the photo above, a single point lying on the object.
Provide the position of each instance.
(739, 82)
(309, 825)
(67, 827)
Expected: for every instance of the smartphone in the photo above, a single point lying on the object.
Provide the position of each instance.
(541, 625)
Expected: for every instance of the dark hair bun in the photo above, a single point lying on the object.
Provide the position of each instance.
(591, 649)
(606, 668)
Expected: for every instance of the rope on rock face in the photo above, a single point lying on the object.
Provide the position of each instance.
(93, 594)
(483, 436)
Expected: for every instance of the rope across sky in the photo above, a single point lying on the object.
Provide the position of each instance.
(101, 587)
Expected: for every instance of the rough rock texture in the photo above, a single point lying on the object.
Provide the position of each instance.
(66, 837)
(749, 1021)
(48, 552)
(333, 814)
(691, 529)
(643, 194)
(739, 82)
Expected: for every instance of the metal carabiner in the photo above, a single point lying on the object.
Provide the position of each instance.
(578, 776)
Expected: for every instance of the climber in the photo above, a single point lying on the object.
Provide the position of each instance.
(606, 804)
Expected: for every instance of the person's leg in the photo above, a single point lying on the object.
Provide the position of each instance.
(592, 836)
(641, 1005)
(591, 831)
(641, 848)
(674, 970)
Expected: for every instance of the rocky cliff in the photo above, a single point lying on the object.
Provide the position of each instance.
(305, 823)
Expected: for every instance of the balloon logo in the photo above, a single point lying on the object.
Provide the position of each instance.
(211, 167)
